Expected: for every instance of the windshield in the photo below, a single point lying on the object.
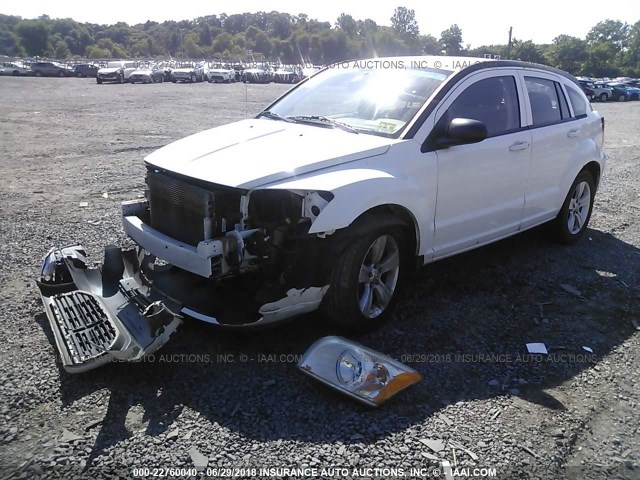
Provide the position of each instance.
(374, 101)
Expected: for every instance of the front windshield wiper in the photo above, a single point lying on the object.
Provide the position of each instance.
(323, 119)
(274, 116)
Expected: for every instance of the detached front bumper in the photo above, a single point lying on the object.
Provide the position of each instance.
(102, 314)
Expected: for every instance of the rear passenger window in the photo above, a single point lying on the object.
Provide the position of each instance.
(545, 104)
(493, 101)
(578, 102)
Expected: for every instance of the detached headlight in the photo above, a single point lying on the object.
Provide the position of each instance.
(360, 372)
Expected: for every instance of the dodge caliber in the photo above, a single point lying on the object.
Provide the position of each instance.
(329, 197)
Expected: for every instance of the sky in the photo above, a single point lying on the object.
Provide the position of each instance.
(482, 22)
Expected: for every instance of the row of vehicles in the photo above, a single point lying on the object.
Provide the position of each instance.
(262, 72)
(144, 72)
(605, 90)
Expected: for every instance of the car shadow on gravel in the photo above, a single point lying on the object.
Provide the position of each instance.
(462, 322)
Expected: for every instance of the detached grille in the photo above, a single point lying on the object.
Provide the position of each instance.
(177, 208)
(87, 331)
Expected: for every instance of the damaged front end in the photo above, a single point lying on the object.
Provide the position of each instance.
(106, 313)
(226, 256)
(246, 255)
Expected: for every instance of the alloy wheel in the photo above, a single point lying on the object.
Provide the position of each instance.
(579, 208)
(378, 277)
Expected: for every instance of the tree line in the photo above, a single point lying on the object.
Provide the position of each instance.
(611, 48)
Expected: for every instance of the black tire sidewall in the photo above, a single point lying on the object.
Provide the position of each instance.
(562, 229)
(340, 303)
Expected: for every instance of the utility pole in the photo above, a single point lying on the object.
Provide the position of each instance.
(509, 44)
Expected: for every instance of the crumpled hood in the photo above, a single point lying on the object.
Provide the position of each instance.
(252, 153)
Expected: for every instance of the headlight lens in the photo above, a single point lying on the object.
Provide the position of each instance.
(358, 371)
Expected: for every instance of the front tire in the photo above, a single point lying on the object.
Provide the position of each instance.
(571, 223)
(603, 97)
(365, 280)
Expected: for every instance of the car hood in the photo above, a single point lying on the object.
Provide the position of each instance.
(184, 70)
(142, 72)
(253, 153)
(109, 70)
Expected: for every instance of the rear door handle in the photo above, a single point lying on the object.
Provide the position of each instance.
(519, 146)
(573, 133)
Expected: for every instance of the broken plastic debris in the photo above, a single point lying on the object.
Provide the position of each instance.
(537, 348)
(571, 289)
(587, 349)
(105, 195)
(83, 204)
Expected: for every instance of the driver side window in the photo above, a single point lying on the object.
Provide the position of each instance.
(493, 101)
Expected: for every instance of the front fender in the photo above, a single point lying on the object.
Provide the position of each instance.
(358, 190)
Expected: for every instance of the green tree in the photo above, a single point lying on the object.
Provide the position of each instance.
(404, 23)
(430, 45)
(451, 40)
(347, 24)
(527, 51)
(567, 53)
(60, 48)
(34, 36)
(222, 42)
(191, 47)
(614, 32)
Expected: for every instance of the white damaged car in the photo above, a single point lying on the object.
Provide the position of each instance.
(221, 73)
(118, 71)
(406, 161)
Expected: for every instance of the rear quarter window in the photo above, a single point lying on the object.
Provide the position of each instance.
(578, 102)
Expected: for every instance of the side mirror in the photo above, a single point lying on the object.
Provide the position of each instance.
(459, 131)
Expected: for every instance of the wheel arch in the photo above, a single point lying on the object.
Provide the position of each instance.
(378, 217)
(593, 168)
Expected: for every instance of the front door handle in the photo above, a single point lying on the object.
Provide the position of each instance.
(573, 133)
(519, 146)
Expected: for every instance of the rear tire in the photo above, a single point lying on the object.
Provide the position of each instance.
(365, 280)
(603, 97)
(573, 219)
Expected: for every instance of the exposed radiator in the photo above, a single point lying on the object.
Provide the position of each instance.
(178, 209)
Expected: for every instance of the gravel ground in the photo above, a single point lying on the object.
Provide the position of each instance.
(222, 400)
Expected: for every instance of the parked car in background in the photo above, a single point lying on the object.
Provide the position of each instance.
(50, 69)
(260, 72)
(618, 93)
(12, 68)
(190, 73)
(117, 71)
(632, 92)
(85, 70)
(238, 68)
(221, 73)
(600, 92)
(152, 74)
(288, 74)
(382, 170)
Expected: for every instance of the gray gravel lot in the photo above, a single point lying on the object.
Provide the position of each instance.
(226, 400)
